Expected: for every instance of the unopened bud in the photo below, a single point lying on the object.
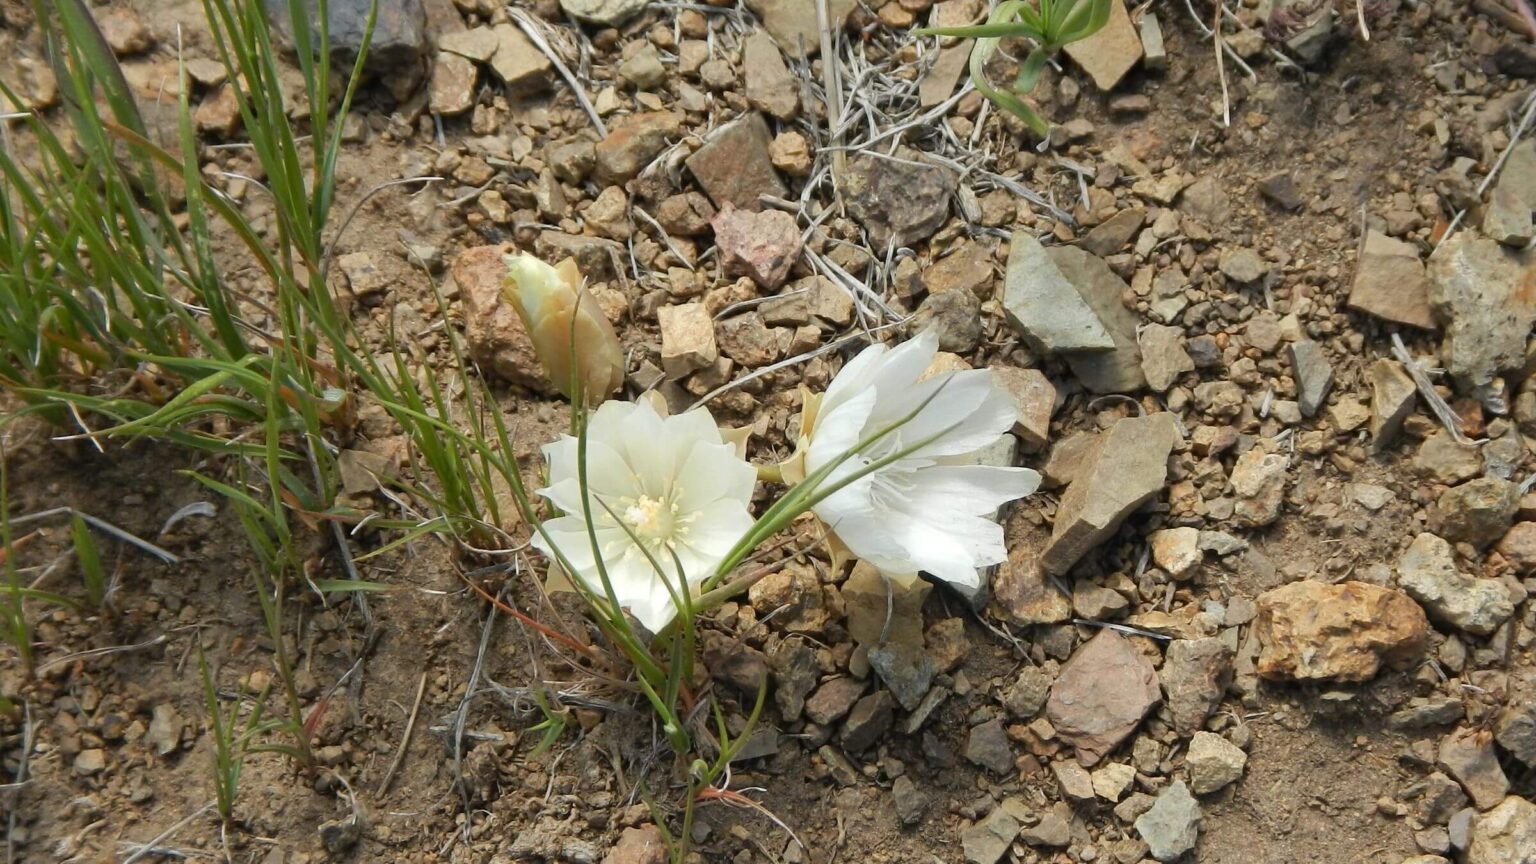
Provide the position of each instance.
(562, 319)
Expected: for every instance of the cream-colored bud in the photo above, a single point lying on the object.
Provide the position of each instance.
(558, 315)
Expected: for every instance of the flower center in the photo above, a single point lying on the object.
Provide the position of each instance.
(651, 518)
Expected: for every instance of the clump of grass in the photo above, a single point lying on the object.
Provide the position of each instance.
(1050, 24)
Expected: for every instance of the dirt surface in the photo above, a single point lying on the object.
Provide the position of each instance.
(115, 743)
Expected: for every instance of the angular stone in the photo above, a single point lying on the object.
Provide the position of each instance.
(125, 32)
(1172, 826)
(1243, 265)
(1393, 398)
(968, 268)
(1034, 396)
(642, 67)
(399, 37)
(770, 88)
(642, 845)
(762, 246)
(1505, 835)
(477, 43)
(1110, 53)
(832, 700)
(1112, 781)
(987, 841)
(734, 166)
(1155, 55)
(1310, 631)
(939, 83)
(1427, 571)
(687, 339)
(1176, 550)
(1516, 732)
(869, 720)
(1074, 781)
(1026, 695)
(495, 335)
(519, 63)
(1101, 695)
(1195, 676)
(1258, 478)
(1127, 466)
(987, 746)
(1118, 370)
(911, 803)
(795, 672)
(1044, 306)
(604, 12)
(1163, 358)
(451, 89)
(1390, 282)
(632, 145)
(1314, 375)
(1477, 512)
(1021, 590)
(1054, 829)
(1468, 756)
(897, 202)
(1111, 235)
(1445, 460)
(1485, 294)
(1213, 762)
(1507, 218)
(793, 23)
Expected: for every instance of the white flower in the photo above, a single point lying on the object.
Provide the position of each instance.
(672, 482)
(931, 509)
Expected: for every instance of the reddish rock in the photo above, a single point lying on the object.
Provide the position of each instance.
(1312, 631)
(1519, 547)
(495, 334)
(762, 246)
(1101, 695)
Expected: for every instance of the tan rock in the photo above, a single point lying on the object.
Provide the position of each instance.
(1034, 396)
(1110, 53)
(451, 89)
(687, 339)
(1311, 631)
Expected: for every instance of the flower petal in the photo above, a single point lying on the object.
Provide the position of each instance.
(711, 473)
(839, 430)
(974, 490)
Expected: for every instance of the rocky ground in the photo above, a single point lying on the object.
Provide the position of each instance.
(1267, 321)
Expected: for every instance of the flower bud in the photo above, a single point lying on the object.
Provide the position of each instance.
(560, 319)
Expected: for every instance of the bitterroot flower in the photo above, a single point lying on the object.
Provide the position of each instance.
(667, 486)
(561, 318)
(929, 510)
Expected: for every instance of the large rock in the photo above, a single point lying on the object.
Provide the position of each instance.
(1427, 571)
(1313, 631)
(1390, 282)
(793, 24)
(1505, 835)
(1124, 469)
(1477, 512)
(734, 165)
(631, 146)
(1043, 306)
(1313, 374)
(1258, 478)
(399, 30)
(1195, 675)
(1507, 218)
(770, 86)
(604, 12)
(1485, 294)
(1468, 756)
(1110, 53)
(495, 334)
(1025, 596)
(1172, 826)
(1118, 370)
(763, 246)
(1101, 695)
(897, 202)
(1393, 398)
(1213, 762)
